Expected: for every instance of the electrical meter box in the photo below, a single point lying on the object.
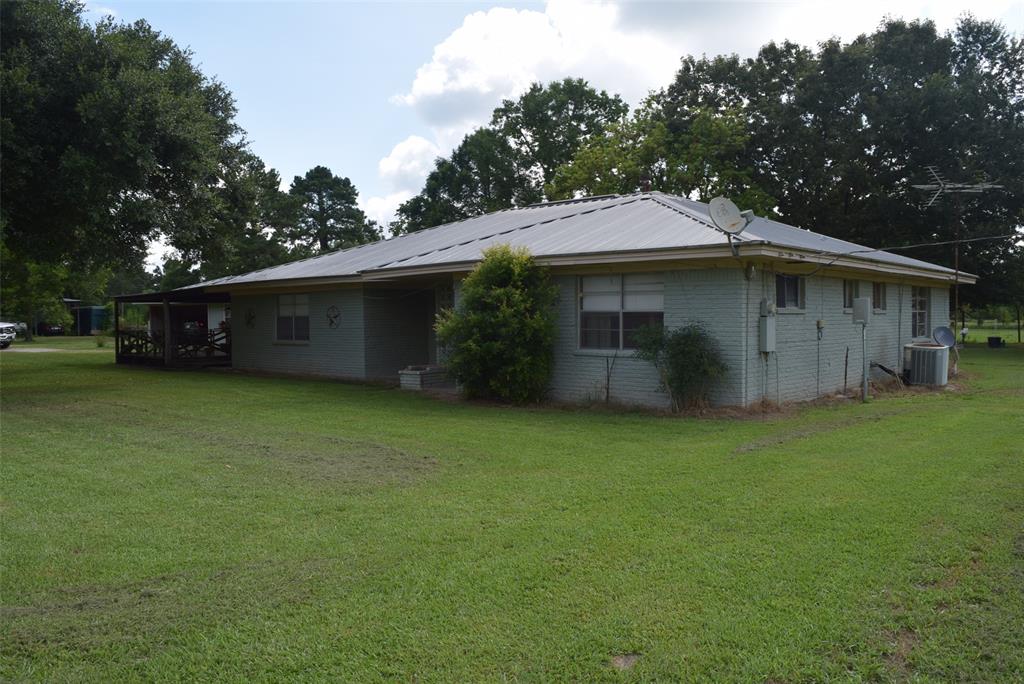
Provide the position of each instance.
(862, 310)
(766, 334)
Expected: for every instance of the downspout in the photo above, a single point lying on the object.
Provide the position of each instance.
(746, 334)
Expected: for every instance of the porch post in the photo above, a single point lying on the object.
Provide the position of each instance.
(168, 349)
(117, 330)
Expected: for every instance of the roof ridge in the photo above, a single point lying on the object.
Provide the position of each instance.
(689, 214)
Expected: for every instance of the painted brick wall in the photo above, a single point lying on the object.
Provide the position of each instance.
(804, 368)
(398, 325)
(710, 297)
(336, 352)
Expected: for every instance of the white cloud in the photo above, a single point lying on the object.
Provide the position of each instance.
(409, 162)
(383, 209)
(629, 47)
(98, 11)
(497, 54)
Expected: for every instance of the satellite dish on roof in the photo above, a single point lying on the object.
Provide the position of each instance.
(727, 216)
(944, 336)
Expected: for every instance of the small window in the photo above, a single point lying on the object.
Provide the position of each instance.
(851, 290)
(789, 292)
(878, 296)
(293, 317)
(919, 312)
(613, 308)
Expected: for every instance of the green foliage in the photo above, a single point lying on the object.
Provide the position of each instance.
(110, 136)
(500, 339)
(328, 216)
(507, 163)
(546, 125)
(701, 159)
(687, 360)
(838, 135)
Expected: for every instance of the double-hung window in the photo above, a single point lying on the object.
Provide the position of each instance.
(851, 290)
(293, 317)
(878, 296)
(613, 307)
(789, 291)
(919, 312)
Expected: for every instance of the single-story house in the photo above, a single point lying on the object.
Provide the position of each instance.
(619, 262)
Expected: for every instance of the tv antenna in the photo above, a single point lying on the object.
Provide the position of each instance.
(940, 186)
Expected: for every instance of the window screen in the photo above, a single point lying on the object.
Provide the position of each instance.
(293, 317)
(878, 296)
(851, 291)
(613, 308)
(919, 311)
(789, 292)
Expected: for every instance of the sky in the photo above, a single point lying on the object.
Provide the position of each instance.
(377, 91)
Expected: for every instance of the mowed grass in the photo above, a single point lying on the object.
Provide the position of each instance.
(981, 335)
(209, 525)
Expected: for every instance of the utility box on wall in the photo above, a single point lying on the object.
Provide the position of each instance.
(766, 334)
(862, 310)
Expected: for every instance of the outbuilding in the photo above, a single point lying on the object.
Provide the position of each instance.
(619, 262)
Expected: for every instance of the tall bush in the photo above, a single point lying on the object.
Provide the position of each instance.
(499, 340)
(687, 360)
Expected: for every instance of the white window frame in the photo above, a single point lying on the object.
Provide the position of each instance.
(851, 291)
(920, 314)
(292, 304)
(879, 295)
(648, 289)
(801, 292)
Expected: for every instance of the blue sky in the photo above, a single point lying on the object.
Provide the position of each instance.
(375, 91)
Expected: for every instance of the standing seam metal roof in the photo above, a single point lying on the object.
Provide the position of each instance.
(608, 224)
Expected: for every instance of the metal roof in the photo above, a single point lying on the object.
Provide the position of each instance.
(601, 225)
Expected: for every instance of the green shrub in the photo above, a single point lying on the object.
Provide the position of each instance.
(499, 340)
(687, 360)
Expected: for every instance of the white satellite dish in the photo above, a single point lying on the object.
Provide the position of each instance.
(727, 216)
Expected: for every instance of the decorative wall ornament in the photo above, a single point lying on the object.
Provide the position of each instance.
(250, 318)
(333, 316)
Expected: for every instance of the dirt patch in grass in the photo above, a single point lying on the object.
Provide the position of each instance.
(318, 458)
(625, 661)
(898, 659)
(814, 429)
(87, 617)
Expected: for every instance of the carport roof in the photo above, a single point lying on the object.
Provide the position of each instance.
(609, 226)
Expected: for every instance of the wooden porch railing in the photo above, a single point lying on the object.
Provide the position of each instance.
(212, 345)
(139, 343)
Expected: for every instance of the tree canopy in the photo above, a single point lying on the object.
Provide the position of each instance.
(110, 136)
(507, 163)
(328, 217)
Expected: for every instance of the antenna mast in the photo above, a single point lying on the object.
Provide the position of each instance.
(940, 186)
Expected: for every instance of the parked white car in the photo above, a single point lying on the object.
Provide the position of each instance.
(7, 334)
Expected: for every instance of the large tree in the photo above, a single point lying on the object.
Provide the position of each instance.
(251, 219)
(701, 159)
(328, 216)
(507, 163)
(110, 137)
(546, 125)
(838, 136)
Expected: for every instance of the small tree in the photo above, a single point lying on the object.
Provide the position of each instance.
(500, 337)
(687, 360)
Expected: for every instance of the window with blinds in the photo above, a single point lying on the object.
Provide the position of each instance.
(613, 307)
(293, 317)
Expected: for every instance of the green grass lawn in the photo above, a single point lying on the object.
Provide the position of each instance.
(981, 335)
(207, 525)
(65, 343)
